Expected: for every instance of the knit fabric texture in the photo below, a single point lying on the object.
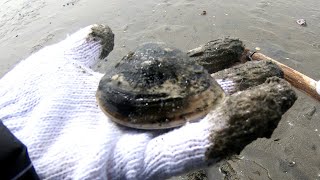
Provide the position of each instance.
(48, 102)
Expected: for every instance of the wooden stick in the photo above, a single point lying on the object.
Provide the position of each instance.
(296, 79)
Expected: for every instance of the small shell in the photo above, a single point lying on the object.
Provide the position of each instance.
(302, 22)
(157, 87)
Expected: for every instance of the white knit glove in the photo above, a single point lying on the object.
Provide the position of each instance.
(48, 102)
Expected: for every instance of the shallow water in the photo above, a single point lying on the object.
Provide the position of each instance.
(28, 25)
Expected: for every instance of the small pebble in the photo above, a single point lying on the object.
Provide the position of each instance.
(290, 123)
(204, 13)
(302, 22)
(257, 49)
(17, 35)
(291, 164)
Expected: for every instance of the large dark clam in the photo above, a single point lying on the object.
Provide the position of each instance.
(157, 87)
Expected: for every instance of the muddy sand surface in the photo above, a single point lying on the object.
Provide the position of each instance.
(293, 151)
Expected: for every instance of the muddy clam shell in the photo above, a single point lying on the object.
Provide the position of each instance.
(157, 87)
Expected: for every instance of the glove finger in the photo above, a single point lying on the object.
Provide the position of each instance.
(219, 54)
(247, 75)
(88, 45)
(248, 115)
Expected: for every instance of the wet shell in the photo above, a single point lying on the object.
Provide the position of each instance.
(157, 87)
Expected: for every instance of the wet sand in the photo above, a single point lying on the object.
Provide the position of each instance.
(293, 152)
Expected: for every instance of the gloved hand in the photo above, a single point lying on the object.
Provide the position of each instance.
(48, 102)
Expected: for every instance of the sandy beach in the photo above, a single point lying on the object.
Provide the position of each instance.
(293, 151)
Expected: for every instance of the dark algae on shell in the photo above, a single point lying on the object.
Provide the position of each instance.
(157, 87)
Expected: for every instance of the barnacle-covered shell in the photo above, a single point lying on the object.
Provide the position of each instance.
(157, 87)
